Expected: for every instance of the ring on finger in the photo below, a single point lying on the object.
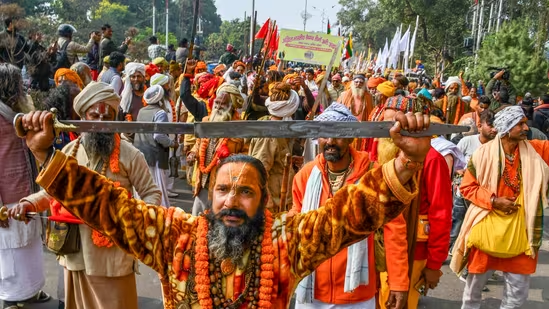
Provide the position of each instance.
(18, 216)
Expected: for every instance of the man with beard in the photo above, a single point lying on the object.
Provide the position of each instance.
(506, 182)
(336, 88)
(100, 275)
(282, 104)
(84, 71)
(358, 99)
(210, 152)
(131, 101)
(347, 280)
(156, 147)
(428, 219)
(21, 254)
(217, 260)
(452, 105)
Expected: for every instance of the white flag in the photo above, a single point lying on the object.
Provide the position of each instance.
(405, 42)
(413, 42)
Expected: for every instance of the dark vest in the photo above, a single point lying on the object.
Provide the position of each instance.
(145, 142)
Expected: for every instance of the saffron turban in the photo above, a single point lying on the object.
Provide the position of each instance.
(374, 82)
(284, 109)
(239, 64)
(153, 94)
(289, 78)
(220, 68)
(69, 75)
(336, 112)
(151, 69)
(387, 89)
(201, 65)
(507, 118)
(159, 79)
(236, 98)
(273, 68)
(95, 92)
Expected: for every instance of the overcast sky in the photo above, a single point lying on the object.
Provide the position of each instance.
(287, 13)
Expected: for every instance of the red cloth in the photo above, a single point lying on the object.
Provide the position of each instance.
(436, 202)
(95, 75)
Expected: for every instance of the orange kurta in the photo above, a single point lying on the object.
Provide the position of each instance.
(330, 275)
(480, 262)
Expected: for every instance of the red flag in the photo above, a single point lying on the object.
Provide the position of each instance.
(264, 30)
(273, 44)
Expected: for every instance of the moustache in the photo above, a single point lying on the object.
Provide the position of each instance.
(330, 147)
(238, 213)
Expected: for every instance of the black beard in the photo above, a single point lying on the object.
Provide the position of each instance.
(332, 157)
(231, 242)
(101, 144)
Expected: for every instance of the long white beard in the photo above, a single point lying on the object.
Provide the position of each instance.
(358, 92)
(221, 115)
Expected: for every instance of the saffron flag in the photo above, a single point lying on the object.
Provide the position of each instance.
(329, 30)
(262, 33)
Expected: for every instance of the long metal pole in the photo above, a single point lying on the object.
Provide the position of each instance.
(474, 23)
(167, 20)
(499, 15)
(154, 18)
(491, 17)
(252, 28)
(480, 21)
(252, 42)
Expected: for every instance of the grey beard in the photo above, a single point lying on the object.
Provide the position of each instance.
(231, 242)
(221, 115)
(100, 144)
(138, 87)
(335, 157)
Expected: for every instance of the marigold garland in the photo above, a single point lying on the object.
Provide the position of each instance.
(202, 152)
(174, 112)
(202, 278)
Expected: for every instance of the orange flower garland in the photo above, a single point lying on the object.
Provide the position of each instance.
(202, 156)
(202, 278)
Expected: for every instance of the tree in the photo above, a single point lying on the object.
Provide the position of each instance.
(514, 48)
(234, 32)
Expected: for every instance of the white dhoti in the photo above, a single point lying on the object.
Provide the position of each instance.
(22, 270)
(160, 177)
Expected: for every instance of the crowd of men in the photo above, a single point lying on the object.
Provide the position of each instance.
(369, 221)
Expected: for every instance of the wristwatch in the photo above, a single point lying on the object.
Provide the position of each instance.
(409, 164)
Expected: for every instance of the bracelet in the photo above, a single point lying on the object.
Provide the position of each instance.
(492, 200)
(409, 164)
(51, 153)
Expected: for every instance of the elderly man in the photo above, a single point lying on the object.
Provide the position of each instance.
(131, 101)
(155, 147)
(347, 280)
(83, 71)
(358, 99)
(506, 182)
(99, 275)
(336, 88)
(21, 256)
(282, 104)
(239, 253)
(453, 106)
(210, 152)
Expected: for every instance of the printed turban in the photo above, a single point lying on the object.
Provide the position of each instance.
(284, 109)
(507, 118)
(134, 67)
(289, 78)
(159, 79)
(336, 112)
(218, 69)
(153, 94)
(69, 75)
(95, 92)
(400, 103)
(387, 89)
(236, 98)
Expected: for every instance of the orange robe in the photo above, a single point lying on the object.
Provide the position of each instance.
(480, 262)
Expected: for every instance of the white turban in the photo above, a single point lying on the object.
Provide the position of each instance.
(453, 80)
(159, 79)
(283, 109)
(95, 92)
(507, 118)
(154, 94)
(127, 93)
(466, 99)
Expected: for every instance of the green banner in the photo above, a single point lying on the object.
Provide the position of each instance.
(309, 47)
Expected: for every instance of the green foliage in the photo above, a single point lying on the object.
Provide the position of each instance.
(514, 48)
(233, 32)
